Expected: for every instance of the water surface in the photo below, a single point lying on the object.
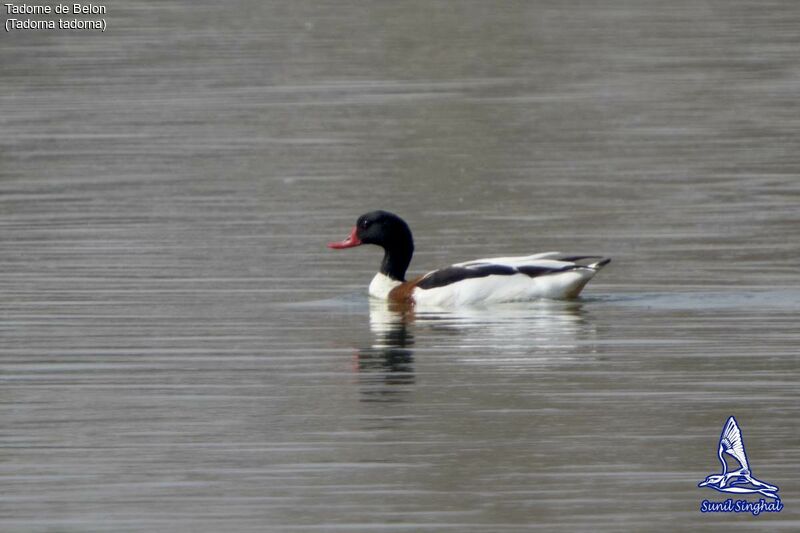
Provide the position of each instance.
(180, 352)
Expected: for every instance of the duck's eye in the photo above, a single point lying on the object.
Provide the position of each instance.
(365, 224)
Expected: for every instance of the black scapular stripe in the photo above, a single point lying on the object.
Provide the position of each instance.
(533, 271)
(453, 274)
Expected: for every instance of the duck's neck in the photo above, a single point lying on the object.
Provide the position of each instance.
(396, 259)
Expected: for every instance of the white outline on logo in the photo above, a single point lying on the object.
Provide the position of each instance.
(739, 481)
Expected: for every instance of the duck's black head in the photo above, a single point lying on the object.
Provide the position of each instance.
(388, 231)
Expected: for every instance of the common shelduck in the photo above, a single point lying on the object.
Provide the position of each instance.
(483, 281)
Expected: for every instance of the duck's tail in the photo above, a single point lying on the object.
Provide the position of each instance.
(599, 264)
(594, 262)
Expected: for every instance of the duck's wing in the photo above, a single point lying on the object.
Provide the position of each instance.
(523, 260)
(730, 442)
(505, 279)
(529, 265)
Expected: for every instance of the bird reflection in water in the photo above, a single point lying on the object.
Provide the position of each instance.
(509, 338)
(386, 368)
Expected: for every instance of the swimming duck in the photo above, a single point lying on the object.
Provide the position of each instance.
(483, 281)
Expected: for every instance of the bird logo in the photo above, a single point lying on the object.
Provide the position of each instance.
(740, 480)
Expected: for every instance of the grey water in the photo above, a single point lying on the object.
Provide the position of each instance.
(179, 351)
